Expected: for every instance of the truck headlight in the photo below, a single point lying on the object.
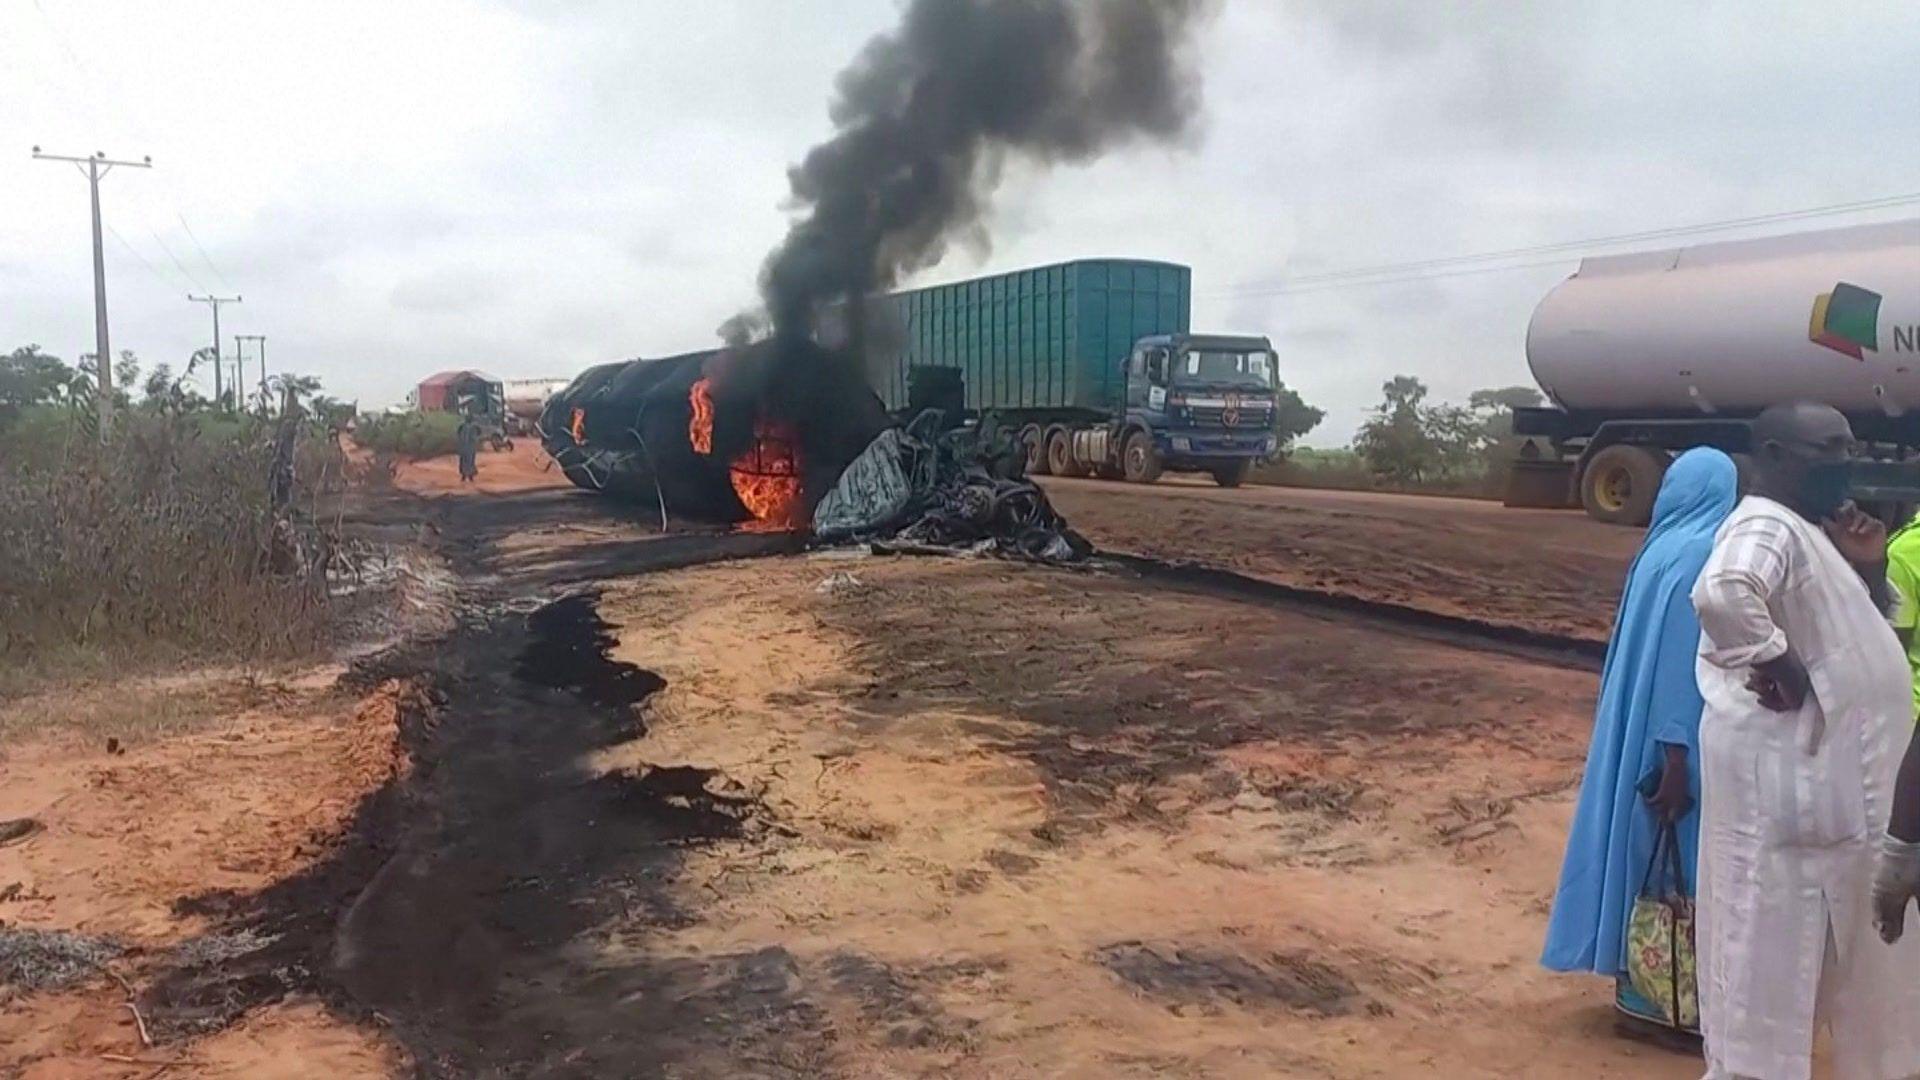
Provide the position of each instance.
(1181, 442)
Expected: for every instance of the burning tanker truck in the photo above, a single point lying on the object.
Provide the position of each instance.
(787, 436)
(786, 432)
(713, 436)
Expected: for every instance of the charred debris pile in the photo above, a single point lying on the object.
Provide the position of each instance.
(779, 429)
(696, 437)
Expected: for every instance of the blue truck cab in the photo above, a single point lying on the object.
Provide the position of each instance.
(1093, 361)
(1205, 403)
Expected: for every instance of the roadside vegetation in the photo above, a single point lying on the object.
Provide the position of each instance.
(187, 535)
(1410, 445)
(408, 435)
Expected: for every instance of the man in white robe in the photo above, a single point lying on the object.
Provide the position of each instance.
(1808, 711)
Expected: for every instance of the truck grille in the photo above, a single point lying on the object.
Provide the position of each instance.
(1250, 417)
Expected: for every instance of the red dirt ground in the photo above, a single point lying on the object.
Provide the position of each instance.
(1554, 571)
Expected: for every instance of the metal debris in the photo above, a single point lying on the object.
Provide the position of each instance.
(933, 487)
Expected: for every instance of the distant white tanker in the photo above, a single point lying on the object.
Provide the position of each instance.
(1647, 354)
(526, 397)
(1831, 316)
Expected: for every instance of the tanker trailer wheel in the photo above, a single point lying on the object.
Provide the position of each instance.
(1232, 476)
(1060, 460)
(1621, 483)
(1035, 443)
(1140, 462)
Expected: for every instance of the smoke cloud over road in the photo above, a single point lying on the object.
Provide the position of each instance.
(928, 114)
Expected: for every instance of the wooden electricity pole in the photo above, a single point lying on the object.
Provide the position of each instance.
(94, 168)
(214, 302)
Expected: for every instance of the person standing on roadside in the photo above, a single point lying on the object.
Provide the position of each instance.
(1808, 708)
(467, 443)
(1644, 731)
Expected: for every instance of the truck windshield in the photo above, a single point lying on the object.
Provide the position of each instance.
(1252, 369)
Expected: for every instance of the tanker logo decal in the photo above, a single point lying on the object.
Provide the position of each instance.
(1846, 320)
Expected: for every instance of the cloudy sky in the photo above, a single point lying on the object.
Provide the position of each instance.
(531, 187)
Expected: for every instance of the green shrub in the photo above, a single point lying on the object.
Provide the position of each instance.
(411, 435)
(1347, 470)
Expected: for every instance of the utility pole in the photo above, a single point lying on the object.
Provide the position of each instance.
(96, 167)
(214, 302)
(239, 370)
(260, 342)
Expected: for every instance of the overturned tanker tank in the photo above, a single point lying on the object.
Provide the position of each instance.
(753, 435)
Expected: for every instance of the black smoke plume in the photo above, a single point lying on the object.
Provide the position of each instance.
(929, 113)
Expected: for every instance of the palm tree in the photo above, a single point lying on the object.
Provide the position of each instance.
(292, 389)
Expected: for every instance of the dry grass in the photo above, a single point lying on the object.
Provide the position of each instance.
(138, 709)
(164, 547)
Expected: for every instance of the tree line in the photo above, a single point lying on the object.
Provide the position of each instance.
(1406, 440)
(31, 378)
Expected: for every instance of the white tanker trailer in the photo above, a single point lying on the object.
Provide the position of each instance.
(1648, 354)
(526, 397)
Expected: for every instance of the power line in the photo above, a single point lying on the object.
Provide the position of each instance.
(1470, 271)
(1312, 282)
(171, 283)
(204, 257)
(91, 107)
(184, 272)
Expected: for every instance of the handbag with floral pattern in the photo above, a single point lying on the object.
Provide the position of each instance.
(1660, 957)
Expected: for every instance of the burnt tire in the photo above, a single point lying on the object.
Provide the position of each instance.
(1232, 476)
(1621, 483)
(1060, 460)
(1139, 461)
(1034, 442)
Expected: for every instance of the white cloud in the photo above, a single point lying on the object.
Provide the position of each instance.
(532, 187)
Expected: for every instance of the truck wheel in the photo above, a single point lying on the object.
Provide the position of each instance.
(1621, 483)
(1060, 460)
(1232, 476)
(1140, 462)
(1035, 445)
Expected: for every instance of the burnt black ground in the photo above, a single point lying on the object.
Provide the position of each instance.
(454, 906)
(500, 909)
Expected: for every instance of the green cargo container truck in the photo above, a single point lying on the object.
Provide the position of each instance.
(1095, 361)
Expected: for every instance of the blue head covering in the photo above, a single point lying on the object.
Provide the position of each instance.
(1697, 495)
(1647, 697)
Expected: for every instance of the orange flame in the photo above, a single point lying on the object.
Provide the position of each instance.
(766, 478)
(700, 424)
(579, 426)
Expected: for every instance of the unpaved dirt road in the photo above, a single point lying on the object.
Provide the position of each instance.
(1552, 571)
(787, 815)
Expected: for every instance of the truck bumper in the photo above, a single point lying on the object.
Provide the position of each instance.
(1178, 447)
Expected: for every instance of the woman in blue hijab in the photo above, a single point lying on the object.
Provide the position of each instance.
(1644, 732)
